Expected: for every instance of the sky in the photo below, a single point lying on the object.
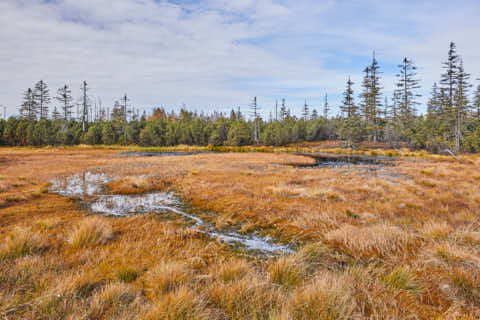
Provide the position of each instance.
(218, 54)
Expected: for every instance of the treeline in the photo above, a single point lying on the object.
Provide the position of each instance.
(452, 121)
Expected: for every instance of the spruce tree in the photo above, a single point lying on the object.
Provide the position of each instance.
(255, 115)
(326, 107)
(305, 111)
(29, 108)
(56, 115)
(348, 107)
(476, 103)
(461, 103)
(283, 110)
(375, 96)
(64, 98)
(314, 114)
(434, 105)
(42, 98)
(407, 86)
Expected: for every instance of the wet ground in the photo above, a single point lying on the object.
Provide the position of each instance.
(90, 188)
(373, 166)
(158, 154)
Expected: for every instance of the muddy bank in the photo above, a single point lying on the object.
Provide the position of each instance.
(90, 188)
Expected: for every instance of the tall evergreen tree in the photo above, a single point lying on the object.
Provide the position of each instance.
(407, 86)
(461, 103)
(476, 103)
(449, 78)
(283, 111)
(29, 108)
(375, 96)
(305, 111)
(348, 108)
(42, 98)
(314, 114)
(326, 107)
(64, 98)
(56, 115)
(434, 105)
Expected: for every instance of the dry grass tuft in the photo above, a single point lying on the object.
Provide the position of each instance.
(287, 271)
(378, 240)
(117, 300)
(232, 270)
(248, 298)
(166, 277)
(21, 242)
(402, 278)
(326, 298)
(437, 230)
(138, 185)
(91, 231)
(181, 304)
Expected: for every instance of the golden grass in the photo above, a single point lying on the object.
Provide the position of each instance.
(368, 247)
(91, 231)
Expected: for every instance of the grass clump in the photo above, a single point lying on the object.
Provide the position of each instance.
(91, 231)
(326, 298)
(402, 278)
(181, 304)
(21, 242)
(287, 271)
(127, 275)
(377, 240)
(232, 270)
(115, 299)
(166, 277)
(247, 298)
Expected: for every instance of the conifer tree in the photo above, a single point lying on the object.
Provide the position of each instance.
(461, 103)
(29, 108)
(434, 105)
(64, 98)
(326, 107)
(56, 115)
(407, 86)
(255, 115)
(314, 114)
(85, 104)
(283, 110)
(476, 103)
(348, 108)
(305, 111)
(42, 98)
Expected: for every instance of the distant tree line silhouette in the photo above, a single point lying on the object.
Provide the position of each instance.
(452, 121)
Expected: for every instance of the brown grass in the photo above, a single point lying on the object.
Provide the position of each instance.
(368, 247)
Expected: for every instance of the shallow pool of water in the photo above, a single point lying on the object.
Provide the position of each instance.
(90, 188)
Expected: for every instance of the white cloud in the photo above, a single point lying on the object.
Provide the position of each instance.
(219, 53)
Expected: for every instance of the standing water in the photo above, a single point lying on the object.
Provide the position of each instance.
(91, 189)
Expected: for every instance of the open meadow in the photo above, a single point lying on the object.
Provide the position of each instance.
(237, 235)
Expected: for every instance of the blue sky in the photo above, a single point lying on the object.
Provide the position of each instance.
(218, 54)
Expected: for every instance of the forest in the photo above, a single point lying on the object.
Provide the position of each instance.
(451, 122)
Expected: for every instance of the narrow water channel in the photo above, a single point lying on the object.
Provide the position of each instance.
(90, 188)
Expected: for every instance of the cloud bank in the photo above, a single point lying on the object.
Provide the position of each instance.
(217, 54)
